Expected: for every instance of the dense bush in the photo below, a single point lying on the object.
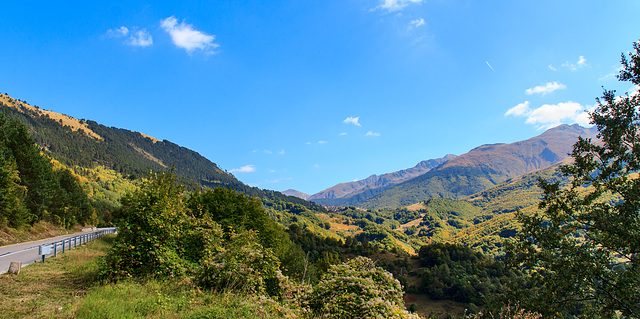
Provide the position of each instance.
(240, 264)
(151, 224)
(358, 289)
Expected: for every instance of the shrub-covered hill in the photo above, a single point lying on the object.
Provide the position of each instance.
(87, 144)
(484, 219)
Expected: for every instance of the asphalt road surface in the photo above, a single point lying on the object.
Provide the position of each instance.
(28, 253)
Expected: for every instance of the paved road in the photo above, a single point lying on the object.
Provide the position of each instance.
(27, 253)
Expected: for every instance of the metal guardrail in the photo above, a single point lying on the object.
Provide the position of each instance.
(52, 249)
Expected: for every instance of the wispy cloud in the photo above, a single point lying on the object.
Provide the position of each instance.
(185, 36)
(396, 5)
(550, 115)
(552, 68)
(137, 38)
(370, 133)
(417, 22)
(610, 76)
(118, 33)
(494, 71)
(244, 169)
(352, 120)
(546, 88)
(278, 180)
(140, 38)
(343, 134)
(322, 142)
(281, 152)
(582, 62)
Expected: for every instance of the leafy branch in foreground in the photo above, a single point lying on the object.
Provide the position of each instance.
(582, 249)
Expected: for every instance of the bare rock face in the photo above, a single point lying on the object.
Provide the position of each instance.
(14, 267)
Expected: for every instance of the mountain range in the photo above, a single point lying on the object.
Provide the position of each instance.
(457, 176)
(473, 196)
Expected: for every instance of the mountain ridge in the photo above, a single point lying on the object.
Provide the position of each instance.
(480, 168)
(374, 181)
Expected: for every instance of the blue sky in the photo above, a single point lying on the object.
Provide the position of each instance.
(308, 94)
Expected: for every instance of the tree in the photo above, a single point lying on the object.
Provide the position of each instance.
(582, 249)
(12, 209)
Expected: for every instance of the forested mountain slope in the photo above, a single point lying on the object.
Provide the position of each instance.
(87, 143)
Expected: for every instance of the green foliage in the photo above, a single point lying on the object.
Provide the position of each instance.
(458, 273)
(150, 224)
(236, 212)
(31, 188)
(13, 212)
(358, 289)
(581, 249)
(241, 265)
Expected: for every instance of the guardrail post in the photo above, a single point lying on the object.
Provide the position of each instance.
(55, 249)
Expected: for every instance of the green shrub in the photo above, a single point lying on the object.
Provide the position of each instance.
(150, 224)
(358, 289)
(241, 264)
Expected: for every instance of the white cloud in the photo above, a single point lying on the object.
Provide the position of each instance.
(552, 68)
(550, 115)
(545, 89)
(281, 152)
(518, 110)
(272, 171)
(343, 134)
(118, 33)
(268, 152)
(140, 38)
(352, 120)
(582, 62)
(322, 142)
(396, 5)
(316, 165)
(370, 133)
(185, 36)
(308, 143)
(417, 22)
(244, 169)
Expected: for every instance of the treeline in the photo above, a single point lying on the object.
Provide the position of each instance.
(31, 190)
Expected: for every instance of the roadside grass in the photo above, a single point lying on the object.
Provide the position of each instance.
(68, 286)
(54, 288)
(171, 299)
